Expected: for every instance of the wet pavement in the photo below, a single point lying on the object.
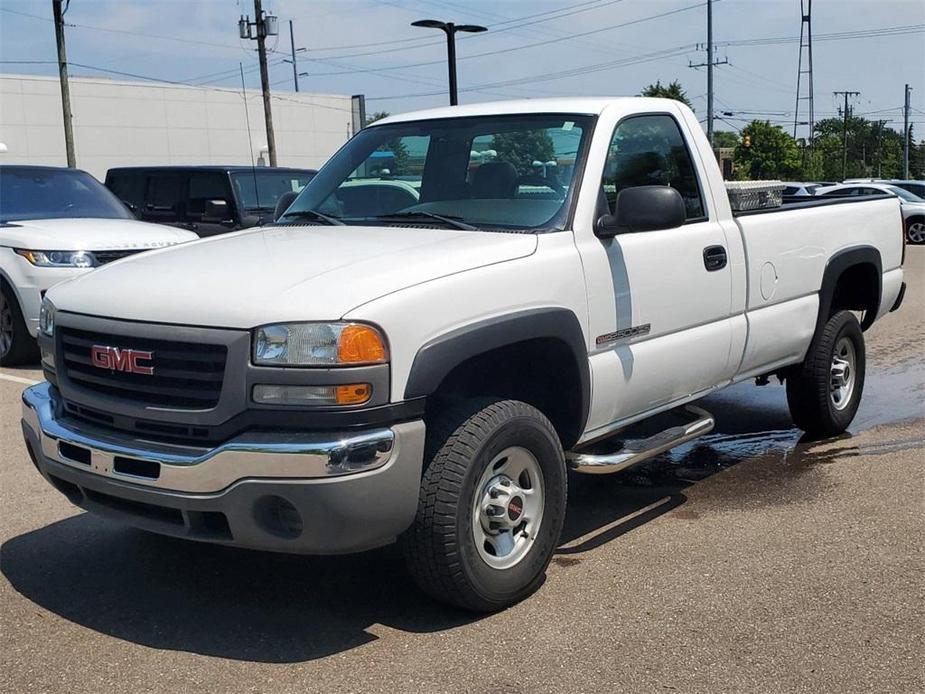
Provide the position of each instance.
(751, 559)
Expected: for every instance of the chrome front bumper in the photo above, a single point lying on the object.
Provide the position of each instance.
(185, 468)
(347, 492)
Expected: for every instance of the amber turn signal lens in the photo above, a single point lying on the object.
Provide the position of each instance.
(354, 394)
(360, 344)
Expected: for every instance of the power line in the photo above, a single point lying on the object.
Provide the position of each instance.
(837, 36)
(571, 72)
(511, 49)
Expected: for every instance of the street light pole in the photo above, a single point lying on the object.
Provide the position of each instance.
(450, 29)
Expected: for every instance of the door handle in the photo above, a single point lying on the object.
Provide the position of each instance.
(714, 258)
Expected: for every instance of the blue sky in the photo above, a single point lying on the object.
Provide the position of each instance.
(367, 46)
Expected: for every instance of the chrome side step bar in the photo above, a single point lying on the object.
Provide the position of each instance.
(636, 450)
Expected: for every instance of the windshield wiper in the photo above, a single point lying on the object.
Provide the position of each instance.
(313, 214)
(454, 222)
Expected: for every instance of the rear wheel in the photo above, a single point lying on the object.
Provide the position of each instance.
(17, 346)
(824, 396)
(491, 505)
(915, 231)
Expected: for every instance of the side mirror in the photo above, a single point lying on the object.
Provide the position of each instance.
(216, 211)
(285, 200)
(643, 208)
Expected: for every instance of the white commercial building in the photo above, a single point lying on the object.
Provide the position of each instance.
(120, 123)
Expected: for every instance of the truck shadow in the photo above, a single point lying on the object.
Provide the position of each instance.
(245, 605)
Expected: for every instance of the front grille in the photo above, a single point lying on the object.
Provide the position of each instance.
(186, 375)
(103, 257)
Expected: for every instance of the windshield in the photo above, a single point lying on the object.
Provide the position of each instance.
(487, 172)
(40, 193)
(259, 190)
(904, 194)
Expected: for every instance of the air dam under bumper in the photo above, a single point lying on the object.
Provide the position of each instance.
(282, 492)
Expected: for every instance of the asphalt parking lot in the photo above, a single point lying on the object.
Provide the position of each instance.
(747, 561)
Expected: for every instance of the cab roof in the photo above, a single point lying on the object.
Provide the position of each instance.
(585, 105)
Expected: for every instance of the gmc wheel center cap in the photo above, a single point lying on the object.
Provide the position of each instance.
(515, 508)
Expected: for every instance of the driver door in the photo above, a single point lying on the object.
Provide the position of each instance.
(659, 309)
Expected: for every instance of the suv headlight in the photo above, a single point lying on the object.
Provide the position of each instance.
(319, 344)
(58, 258)
(47, 318)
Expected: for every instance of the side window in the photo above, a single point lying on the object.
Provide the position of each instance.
(128, 187)
(163, 192)
(202, 188)
(650, 150)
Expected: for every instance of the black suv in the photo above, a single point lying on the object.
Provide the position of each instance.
(206, 199)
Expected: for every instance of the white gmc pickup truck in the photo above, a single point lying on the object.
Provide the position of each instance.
(462, 305)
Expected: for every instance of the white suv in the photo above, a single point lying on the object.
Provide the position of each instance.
(55, 224)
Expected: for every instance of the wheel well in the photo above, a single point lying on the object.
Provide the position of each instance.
(916, 218)
(857, 289)
(540, 371)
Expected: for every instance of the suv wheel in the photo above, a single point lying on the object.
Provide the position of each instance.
(915, 231)
(17, 346)
(491, 506)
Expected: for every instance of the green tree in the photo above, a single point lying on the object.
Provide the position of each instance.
(766, 152)
(674, 90)
(724, 138)
(873, 149)
(522, 147)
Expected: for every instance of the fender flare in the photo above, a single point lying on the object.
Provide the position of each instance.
(438, 357)
(838, 263)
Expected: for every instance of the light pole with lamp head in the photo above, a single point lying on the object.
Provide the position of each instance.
(450, 30)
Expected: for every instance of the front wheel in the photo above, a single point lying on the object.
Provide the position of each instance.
(491, 506)
(915, 231)
(824, 396)
(17, 346)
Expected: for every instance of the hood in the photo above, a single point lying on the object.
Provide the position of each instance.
(275, 274)
(88, 234)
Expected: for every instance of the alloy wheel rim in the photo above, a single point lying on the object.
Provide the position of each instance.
(916, 232)
(842, 373)
(507, 510)
(6, 326)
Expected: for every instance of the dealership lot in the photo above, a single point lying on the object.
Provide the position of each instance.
(746, 561)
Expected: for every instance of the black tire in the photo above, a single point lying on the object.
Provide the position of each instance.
(22, 349)
(809, 391)
(440, 547)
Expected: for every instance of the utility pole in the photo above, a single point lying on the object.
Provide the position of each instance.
(65, 86)
(710, 71)
(846, 113)
(880, 124)
(906, 132)
(710, 64)
(263, 25)
(295, 69)
(806, 47)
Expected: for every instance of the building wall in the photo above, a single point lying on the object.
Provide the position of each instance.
(130, 123)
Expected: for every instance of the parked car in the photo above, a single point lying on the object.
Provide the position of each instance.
(914, 187)
(430, 372)
(208, 200)
(796, 189)
(912, 206)
(56, 224)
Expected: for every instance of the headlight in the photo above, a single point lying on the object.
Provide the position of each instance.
(319, 344)
(58, 258)
(47, 318)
